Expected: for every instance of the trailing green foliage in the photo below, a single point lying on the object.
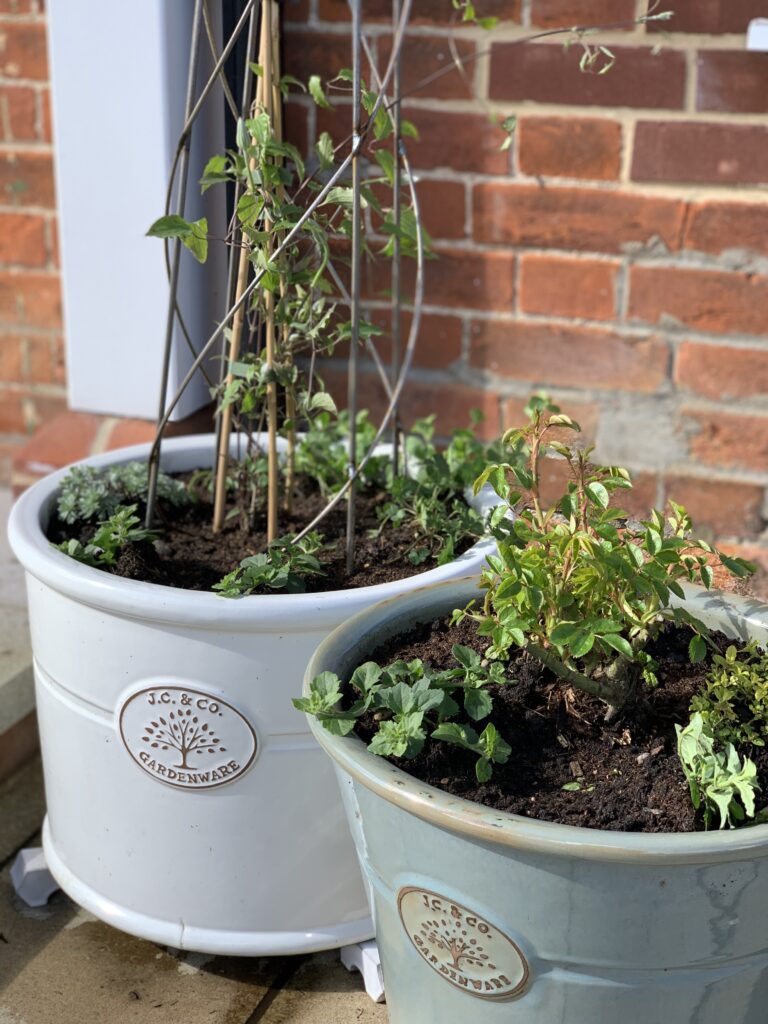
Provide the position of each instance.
(285, 565)
(577, 584)
(321, 452)
(87, 493)
(429, 499)
(734, 701)
(720, 783)
(410, 701)
(111, 536)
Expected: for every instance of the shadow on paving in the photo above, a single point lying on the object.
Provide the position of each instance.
(60, 965)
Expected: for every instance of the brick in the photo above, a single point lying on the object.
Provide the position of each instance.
(708, 300)
(442, 205)
(296, 10)
(296, 125)
(639, 501)
(44, 360)
(22, 239)
(474, 140)
(732, 81)
(26, 179)
(424, 56)
(63, 439)
(710, 16)
(722, 508)
(18, 113)
(461, 142)
(472, 280)
(586, 414)
(450, 401)
(10, 356)
(546, 74)
(570, 218)
(454, 278)
(727, 440)
(566, 147)
(31, 299)
(128, 432)
(438, 345)
(721, 154)
(23, 52)
(317, 53)
(13, 412)
(636, 502)
(52, 243)
(557, 356)
(46, 131)
(568, 13)
(443, 208)
(718, 227)
(560, 286)
(45, 408)
(757, 585)
(721, 372)
(424, 12)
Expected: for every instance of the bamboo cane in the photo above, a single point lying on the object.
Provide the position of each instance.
(265, 100)
(267, 53)
(220, 491)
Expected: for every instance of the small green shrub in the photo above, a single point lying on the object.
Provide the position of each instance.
(734, 701)
(87, 493)
(576, 584)
(111, 536)
(411, 700)
(285, 565)
(719, 782)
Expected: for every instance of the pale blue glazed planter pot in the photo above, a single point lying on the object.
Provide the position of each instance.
(490, 917)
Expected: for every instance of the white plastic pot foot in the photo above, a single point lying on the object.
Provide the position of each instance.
(364, 957)
(31, 878)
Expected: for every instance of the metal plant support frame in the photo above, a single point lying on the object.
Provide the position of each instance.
(394, 380)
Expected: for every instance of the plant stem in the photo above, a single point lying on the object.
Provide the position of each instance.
(613, 695)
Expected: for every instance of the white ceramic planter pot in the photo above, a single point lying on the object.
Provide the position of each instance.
(490, 917)
(187, 801)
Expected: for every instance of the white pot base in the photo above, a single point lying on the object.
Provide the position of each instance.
(200, 940)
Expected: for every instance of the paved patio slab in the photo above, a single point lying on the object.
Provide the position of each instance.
(59, 965)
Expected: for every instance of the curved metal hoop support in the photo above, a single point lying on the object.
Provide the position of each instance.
(395, 383)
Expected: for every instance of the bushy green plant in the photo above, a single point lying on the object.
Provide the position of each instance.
(720, 783)
(322, 452)
(410, 701)
(285, 565)
(585, 590)
(734, 701)
(88, 494)
(428, 499)
(111, 537)
(576, 584)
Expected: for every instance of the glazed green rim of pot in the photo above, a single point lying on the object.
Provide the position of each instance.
(345, 648)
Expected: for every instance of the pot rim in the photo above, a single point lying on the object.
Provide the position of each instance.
(480, 823)
(175, 606)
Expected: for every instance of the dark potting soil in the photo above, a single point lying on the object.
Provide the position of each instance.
(188, 555)
(628, 771)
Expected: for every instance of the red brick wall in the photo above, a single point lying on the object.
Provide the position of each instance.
(616, 255)
(31, 343)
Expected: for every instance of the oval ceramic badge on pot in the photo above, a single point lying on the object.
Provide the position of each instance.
(185, 737)
(461, 946)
